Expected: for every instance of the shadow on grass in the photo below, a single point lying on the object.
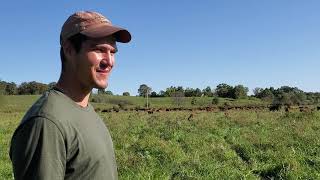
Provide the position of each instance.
(275, 172)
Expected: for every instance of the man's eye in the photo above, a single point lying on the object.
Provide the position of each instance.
(99, 50)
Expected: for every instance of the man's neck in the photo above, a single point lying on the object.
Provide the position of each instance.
(75, 91)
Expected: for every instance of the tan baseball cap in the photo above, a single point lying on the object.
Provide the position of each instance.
(92, 24)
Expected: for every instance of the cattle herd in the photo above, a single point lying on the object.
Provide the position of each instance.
(216, 108)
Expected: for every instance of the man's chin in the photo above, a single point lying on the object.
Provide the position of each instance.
(101, 85)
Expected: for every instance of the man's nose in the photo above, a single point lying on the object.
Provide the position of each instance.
(108, 57)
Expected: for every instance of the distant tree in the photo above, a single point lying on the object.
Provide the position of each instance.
(239, 92)
(101, 91)
(266, 94)
(3, 85)
(11, 88)
(161, 94)
(177, 97)
(51, 85)
(41, 87)
(144, 90)
(153, 94)
(257, 91)
(207, 91)
(224, 90)
(31, 88)
(126, 94)
(288, 89)
(108, 93)
(8, 88)
(189, 92)
(299, 98)
(23, 88)
(197, 92)
(313, 98)
(170, 90)
(284, 95)
(283, 99)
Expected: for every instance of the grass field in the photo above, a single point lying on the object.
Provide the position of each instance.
(234, 144)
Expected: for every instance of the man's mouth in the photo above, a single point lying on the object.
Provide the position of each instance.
(104, 71)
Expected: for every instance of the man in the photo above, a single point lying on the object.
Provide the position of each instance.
(61, 136)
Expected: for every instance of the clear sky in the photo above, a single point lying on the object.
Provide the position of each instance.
(257, 43)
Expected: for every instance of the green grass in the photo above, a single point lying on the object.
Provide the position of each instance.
(235, 144)
(17, 103)
(8, 123)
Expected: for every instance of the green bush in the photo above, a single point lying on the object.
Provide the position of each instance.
(215, 101)
(193, 101)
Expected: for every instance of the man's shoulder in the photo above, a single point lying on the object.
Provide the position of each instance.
(51, 105)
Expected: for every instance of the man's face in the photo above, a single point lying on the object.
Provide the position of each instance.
(94, 62)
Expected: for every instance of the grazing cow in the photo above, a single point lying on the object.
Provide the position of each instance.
(107, 110)
(287, 108)
(275, 107)
(301, 108)
(305, 109)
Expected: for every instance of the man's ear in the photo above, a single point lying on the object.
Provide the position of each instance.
(68, 49)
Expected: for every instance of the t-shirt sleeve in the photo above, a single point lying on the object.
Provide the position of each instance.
(38, 150)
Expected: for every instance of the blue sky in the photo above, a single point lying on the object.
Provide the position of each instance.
(257, 43)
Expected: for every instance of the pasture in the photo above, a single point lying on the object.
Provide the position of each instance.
(231, 144)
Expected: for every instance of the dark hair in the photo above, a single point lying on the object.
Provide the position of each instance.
(76, 41)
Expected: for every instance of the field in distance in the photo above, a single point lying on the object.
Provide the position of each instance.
(230, 144)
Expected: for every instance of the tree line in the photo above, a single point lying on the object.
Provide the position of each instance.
(284, 95)
(222, 90)
(25, 88)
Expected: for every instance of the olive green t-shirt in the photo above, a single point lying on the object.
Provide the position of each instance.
(58, 139)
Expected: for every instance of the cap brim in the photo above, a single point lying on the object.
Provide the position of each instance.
(121, 35)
